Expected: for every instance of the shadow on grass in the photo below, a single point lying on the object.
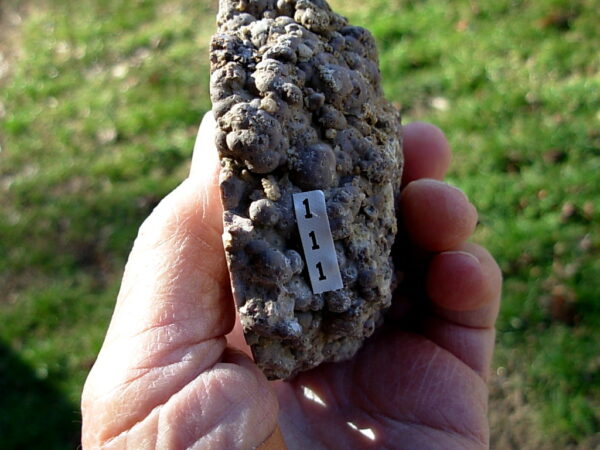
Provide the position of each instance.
(33, 414)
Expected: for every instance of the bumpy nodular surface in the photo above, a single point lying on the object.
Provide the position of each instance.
(297, 97)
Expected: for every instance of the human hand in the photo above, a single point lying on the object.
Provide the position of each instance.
(172, 374)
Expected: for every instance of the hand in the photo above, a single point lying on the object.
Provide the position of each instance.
(172, 374)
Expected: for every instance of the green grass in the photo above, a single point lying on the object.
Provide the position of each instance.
(101, 113)
(100, 116)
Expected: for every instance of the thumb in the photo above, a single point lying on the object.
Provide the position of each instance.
(176, 272)
(174, 307)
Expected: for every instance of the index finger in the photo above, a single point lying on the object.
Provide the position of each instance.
(426, 152)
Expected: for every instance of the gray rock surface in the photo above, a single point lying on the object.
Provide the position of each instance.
(297, 97)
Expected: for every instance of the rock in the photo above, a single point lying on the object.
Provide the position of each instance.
(299, 106)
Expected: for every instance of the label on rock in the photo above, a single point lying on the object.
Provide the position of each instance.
(317, 242)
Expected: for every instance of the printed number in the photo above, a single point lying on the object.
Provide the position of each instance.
(308, 214)
(313, 236)
(321, 274)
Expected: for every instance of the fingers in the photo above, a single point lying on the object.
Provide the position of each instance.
(465, 286)
(473, 346)
(436, 216)
(426, 152)
(452, 274)
(462, 280)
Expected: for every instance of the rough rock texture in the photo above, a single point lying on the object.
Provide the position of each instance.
(297, 97)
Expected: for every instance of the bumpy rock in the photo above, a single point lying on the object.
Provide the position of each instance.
(297, 97)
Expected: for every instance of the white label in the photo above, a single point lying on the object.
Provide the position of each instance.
(317, 242)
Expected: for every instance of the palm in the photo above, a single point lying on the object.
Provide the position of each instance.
(402, 391)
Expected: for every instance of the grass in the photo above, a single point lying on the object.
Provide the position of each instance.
(100, 113)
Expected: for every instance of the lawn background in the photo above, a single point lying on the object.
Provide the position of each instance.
(99, 106)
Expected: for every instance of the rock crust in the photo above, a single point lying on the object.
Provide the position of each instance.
(299, 106)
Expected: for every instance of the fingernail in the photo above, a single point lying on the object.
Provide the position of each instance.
(443, 184)
(462, 253)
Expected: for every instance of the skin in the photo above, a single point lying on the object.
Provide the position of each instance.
(174, 372)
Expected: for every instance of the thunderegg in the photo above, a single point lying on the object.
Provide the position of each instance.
(299, 106)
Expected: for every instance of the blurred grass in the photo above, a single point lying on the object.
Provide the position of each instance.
(97, 122)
